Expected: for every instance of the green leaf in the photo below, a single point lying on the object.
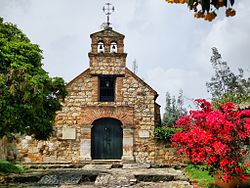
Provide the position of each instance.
(29, 98)
(165, 133)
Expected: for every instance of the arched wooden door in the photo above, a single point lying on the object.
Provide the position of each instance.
(106, 139)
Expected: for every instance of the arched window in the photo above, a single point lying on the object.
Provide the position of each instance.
(113, 47)
(100, 47)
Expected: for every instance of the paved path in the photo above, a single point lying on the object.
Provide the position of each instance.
(98, 176)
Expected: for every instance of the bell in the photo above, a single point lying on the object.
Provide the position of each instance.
(101, 47)
(113, 47)
(107, 83)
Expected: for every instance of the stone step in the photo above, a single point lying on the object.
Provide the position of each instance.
(66, 178)
(154, 177)
(99, 175)
(96, 163)
(53, 178)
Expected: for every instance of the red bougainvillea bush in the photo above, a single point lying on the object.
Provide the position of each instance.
(217, 137)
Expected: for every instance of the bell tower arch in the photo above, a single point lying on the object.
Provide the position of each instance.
(107, 55)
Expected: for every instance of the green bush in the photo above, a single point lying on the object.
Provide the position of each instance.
(165, 133)
(7, 167)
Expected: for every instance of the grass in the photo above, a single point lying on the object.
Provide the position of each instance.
(199, 175)
(7, 167)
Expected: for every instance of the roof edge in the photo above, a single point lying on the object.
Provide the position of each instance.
(74, 79)
(108, 28)
(142, 81)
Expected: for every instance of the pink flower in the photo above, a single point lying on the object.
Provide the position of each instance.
(227, 107)
(215, 137)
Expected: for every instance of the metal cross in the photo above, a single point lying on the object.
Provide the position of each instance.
(108, 9)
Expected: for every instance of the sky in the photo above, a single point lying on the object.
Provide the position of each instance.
(171, 48)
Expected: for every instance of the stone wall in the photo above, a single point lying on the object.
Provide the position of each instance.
(67, 151)
(107, 64)
(135, 108)
(3, 148)
(7, 149)
(165, 154)
(157, 115)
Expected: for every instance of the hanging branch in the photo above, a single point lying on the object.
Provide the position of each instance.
(206, 9)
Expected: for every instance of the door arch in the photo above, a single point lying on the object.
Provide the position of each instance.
(106, 139)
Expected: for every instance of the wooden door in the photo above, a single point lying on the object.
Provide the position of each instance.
(106, 139)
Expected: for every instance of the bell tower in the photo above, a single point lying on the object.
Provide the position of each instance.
(107, 55)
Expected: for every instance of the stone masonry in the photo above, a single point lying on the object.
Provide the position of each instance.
(133, 106)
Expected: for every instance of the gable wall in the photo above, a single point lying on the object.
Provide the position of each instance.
(134, 107)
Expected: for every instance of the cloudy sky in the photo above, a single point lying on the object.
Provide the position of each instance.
(171, 48)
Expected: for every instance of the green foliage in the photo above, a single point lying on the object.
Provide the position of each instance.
(225, 86)
(232, 97)
(7, 167)
(199, 174)
(29, 98)
(174, 109)
(165, 133)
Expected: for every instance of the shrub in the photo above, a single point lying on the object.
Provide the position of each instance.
(217, 137)
(7, 167)
(165, 133)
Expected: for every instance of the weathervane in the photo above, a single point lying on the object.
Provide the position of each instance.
(108, 9)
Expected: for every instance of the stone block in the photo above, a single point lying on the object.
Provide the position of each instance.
(128, 141)
(27, 159)
(136, 165)
(24, 143)
(28, 137)
(97, 166)
(144, 133)
(33, 149)
(85, 149)
(69, 133)
(49, 159)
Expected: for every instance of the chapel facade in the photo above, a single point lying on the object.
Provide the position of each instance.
(109, 114)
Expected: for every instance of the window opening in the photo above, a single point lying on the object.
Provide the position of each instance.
(107, 88)
(113, 47)
(100, 47)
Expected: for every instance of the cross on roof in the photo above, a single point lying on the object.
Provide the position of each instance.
(108, 9)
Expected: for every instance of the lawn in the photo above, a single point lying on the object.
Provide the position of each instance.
(199, 176)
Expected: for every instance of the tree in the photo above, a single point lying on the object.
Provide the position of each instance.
(225, 86)
(29, 98)
(206, 9)
(174, 109)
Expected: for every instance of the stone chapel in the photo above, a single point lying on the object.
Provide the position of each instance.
(109, 114)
